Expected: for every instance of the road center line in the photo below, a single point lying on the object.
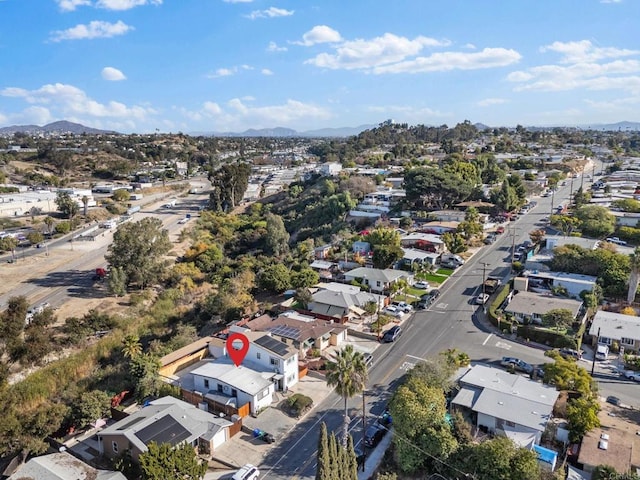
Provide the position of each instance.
(487, 339)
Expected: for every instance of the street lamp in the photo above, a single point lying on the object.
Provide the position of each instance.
(364, 429)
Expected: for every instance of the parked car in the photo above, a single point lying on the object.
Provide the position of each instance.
(500, 230)
(422, 285)
(373, 435)
(428, 298)
(392, 334)
(616, 241)
(570, 353)
(246, 472)
(368, 359)
(482, 298)
(517, 364)
(404, 307)
(489, 239)
(393, 311)
(632, 375)
(613, 400)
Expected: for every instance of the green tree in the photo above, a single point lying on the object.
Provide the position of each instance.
(384, 256)
(595, 221)
(67, 205)
(277, 237)
(582, 414)
(35, 237)
(471, 225)
(347, 372)
(435, 372)
(304, 278)
(138, 248)
(558, 318)
(604, 472)
(505, 198)
(568, 375)
(383, 236)
(228, 185)
(422, 431)
(536, 236)
(13, 319)
(627, 205)
(497, 459)
(455, 242)
(85, 205)
(49, 222)
(303, 297)
(581, 198)
(131, 346)
(165, 462)
(323, 470)
(275, 278)
(91, 406)
(144, 370)
(436, 189)
(9, 244)
(117, 281)
(121, 195)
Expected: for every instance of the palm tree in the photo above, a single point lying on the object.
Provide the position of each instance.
(49, 221)
(634, 277)
(131, 346)
(347, 372)
(85, 202)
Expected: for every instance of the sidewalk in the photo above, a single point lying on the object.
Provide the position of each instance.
(375, 456)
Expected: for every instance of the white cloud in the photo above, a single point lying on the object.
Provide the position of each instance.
(470, 46)
(627, 104)
(273, 47)
(487, 102)
(359, 54)
(95, 29)
(618, 74)
(125, 4)
(319, 34)
(227, 72)
(67, 101)
(71, 5)
(584, 51)
(238, 115)
(271, 12)
(266, 71)
(610, 1)
(112, 74)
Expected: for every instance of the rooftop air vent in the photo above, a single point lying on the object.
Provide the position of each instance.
(603, 445)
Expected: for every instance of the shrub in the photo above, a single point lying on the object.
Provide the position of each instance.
(297, 404)
(63, 227)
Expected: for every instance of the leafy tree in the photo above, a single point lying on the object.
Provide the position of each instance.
(138, 248)
(568, 375)
(384, 256)
(436, 189)
(422, 431)
(595, 221)
(581, 198)
(67, 205)
(131, 346)
(383, 236)
(13, 319)
(537, 235)
(117, 281)
(164, 462)
(505, 198)
(85, 205)
(303, 297)
(8, 244)
(121, 195)
(49, 222)
(455, 242)
(471, 225)
(627, 205)
(604, 472)
(277, 237)
(582, 414)
(497, 459)
(558, 318)
(35, 238)
(91, 406)
(275, 278)
(144, 372)
(228, 185)
(347, 372)
(306, 277)
(435, 372)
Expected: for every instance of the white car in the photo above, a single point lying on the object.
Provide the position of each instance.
(404, 307)
(393, 310)
(422, 285)
(246, 472)
(183, 221)
(482, 298)
(632, 375)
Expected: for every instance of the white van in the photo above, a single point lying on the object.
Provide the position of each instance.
(602, 351)
(247, 472)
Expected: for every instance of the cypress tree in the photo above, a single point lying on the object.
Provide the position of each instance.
(323, 471)
(334, 458)
(350, 471)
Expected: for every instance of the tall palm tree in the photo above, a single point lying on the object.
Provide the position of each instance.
(634, 276)
(85, 203)
(131, 346)
(347, 372)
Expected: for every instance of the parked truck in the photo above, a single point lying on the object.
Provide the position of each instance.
(491, 284)
(170, 204)
(449, 260)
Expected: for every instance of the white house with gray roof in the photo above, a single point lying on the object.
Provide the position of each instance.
(62, 466)
(506, 404)
(616, 327)
(530, 307)
(378, 280)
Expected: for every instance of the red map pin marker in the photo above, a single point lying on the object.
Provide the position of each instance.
(237, 354)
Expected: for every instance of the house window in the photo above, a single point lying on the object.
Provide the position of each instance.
(114, 447)
(604, 340)
(258, 355)
(206, 383)
(274, 361)
(263, 394)
(234, 392)
(284, 339)
(377, 283)
(220, 388)
(509, 424)
(627, 341)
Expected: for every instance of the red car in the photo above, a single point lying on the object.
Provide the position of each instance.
(500, 229)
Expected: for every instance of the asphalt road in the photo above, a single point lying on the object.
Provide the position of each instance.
(75, 278)
(447, 324)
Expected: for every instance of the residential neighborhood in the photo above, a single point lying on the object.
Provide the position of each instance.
(446, 302)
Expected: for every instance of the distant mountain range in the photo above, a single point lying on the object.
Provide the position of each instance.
(63, 126)
(56, 127)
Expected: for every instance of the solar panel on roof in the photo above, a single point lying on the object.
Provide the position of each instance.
(286, 331)
(274, 345)
(164, 430)
(128, 424)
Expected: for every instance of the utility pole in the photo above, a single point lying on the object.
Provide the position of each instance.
(571, 190)
(553, 197)
(513, 249)
(484, 278)
(593, 364)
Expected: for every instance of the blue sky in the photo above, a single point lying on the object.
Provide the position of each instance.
(230, 65)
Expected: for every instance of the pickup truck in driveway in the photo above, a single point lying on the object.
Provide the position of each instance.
(491, 284)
